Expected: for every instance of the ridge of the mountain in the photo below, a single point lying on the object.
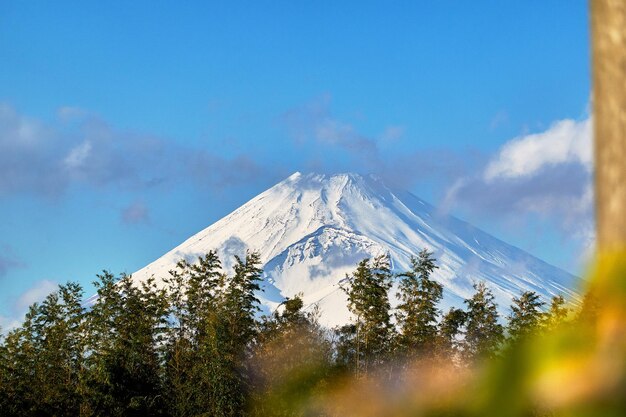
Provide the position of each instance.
(312, 229)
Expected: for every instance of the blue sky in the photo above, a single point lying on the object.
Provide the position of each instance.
(125, 127)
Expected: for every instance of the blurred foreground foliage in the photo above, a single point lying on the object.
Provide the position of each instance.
(573, 368)
(198, 347)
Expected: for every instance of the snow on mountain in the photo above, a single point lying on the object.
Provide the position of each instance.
(312, 230)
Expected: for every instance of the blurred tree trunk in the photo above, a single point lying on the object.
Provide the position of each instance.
(608, 26)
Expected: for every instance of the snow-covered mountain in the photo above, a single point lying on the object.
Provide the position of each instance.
(311, 230)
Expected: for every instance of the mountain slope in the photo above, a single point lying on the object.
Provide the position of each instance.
(311, 230)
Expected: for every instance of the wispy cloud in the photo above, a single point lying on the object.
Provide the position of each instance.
(135, 213)
(30, 157)
(313, 123)
(9, 260)
(45, 159)
(70, 113)
(213, 171)
(392, 134)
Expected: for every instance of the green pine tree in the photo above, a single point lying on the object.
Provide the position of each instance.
(126, 331)
(292, 359)
(231, 337)
(345, 347)
(210, 337)
(240, 302)
(450, 333)
(43, 360)
(193, 290)
(526, 315)
(368, 301)
(417, 314)
(557, 314)
(483, 332)
(18, 357)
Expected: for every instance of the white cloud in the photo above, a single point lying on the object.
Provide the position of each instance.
(546, 175)
(566, 141)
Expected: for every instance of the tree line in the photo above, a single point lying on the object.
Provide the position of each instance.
(199, 347)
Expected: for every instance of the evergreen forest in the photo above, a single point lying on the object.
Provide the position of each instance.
(199, 346)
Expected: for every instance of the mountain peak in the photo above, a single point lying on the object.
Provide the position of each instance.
(314, 177)
(336, 183)
(312, 229)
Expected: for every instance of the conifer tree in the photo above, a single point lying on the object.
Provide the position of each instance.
(557, 314)
(292, 316)
(450, 333)
(42, 361)
(230, 338)
(483, 332)
(127, 325)
(5, 374)
(18, 357)
(214, 324)
(417, 313)
(240, 302)
(115, 360)
(193, 291)
(61, 330)
(368, 301)
(526, 315)
(381, 332)
(344, 346)
(292, 357)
